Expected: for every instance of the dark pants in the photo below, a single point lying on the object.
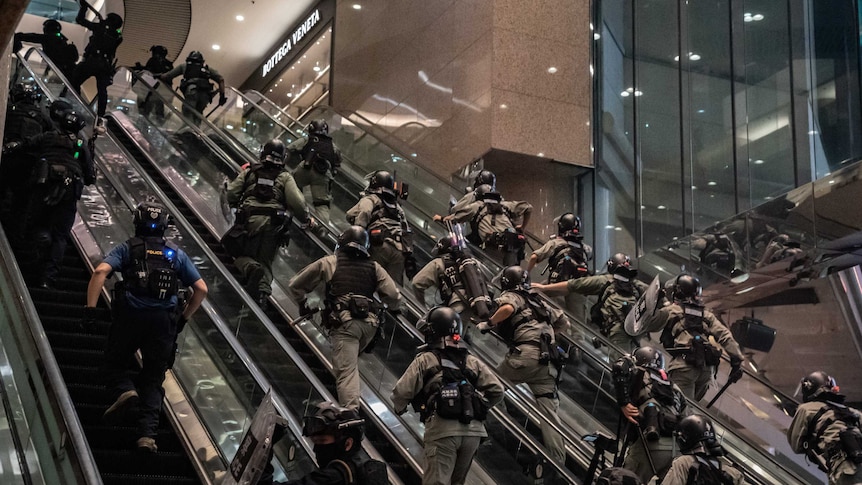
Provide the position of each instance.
(104, 73)
(153, 332)
(50, 226)
(196, 101)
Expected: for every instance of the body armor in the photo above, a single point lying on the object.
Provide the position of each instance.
(152, 272)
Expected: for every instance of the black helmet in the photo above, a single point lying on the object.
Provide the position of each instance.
(514, 277)
(195, 57)
(647, 356)
(695, 431)
(487, 193)
(151, 220)
(318, 127)
(355, 241)
(685, 287)
(339, 422)
(618, 260)
(439, 323)
(114, 21)
(51, 27)
(816, 383)
(568, 224)
(159, 51)
(65, 116)
(485, 177)
(381, 179)
(444, 245)
(273, 152)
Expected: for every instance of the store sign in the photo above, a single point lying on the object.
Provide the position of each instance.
(301, 31)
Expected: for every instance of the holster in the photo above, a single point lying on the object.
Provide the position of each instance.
(649, 422)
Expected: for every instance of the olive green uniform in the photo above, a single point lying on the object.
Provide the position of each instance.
(575, 302)
(449, 444)
(521, 365)
(841, 470)
(694, 381)
(490, 225)
(263, 240)
(678, 473)
(391, 252)
(429, 277)
(615, 307)
(354, 334)
(319, 183)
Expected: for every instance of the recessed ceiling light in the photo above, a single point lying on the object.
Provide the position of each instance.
(541, 154)
(625, 94)
(240, 18)
(356, 6)
(661, 207)
(758, 162)
(701, 111)
(711, 183)
(316, 68)
(552, 70)
(597, 36)
(504, 106)
(694, 57)
(639, 93)
(216, 47)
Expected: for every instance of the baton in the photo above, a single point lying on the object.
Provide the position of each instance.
(720, 392)
(90, 7)
(304, 317)
(646, 449)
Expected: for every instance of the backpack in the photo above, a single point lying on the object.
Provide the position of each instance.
(261, 179)
(387, 222)
(369, 472)
(703, 473)
(68, 54)
(454, 397)
(568, 262)
(596, 316)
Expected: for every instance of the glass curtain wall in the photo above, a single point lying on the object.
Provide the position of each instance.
(708, 108)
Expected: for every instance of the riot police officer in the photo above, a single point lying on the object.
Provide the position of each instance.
(687, 328)
(700, 462)
(454, 427)
(496, 225)
(156, 65)
(456, 274)
(64, 166)
(320, 162)
(567, 257)
(653, 406)
(54, 44)
(483, 177)
(529, 327)
(266, 198)
(196, 85)
(146, 316)
(827, 430)
(618, 293)
(99, 55)
(379, 212)
(351, 315)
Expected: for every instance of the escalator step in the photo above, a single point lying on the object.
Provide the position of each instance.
(127, 461)
(124, 438)
(77, 356)
(121, 479)
(69, 297)
(77, 340)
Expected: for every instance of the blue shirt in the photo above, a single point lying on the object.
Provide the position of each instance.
(120, 258)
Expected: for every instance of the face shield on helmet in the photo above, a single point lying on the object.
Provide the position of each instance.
(649, 357)
(273, 152)
(568, 224)
(381, 180)
(318, 127)
(685, 288)
(66, 117)
(514, 277)
(439, 323)
(816, 383)
(695, 431)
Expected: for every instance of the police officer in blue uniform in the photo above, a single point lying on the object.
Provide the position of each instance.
(146, 316)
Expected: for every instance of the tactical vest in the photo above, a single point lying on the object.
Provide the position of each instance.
(611, 288)
(705, 472)
(387, 219)
(500, 216)
(58, 175)
(352, 288)
(450, 279)
(567, 262)
(369, 472)
(655, 385)
(319, 153)
(449, 389)
(850, 438)
(61, 51)
(104, 42)
(151, 272)
(196, 75)
(260, 182)
(534, 310)
(23, 120)
(701, 352)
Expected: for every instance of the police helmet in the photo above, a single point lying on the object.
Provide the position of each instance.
(568, 223)
(381, 180)
(444, 245)
(355, 241)
(684, 287)
(439, 323)
(514, 277)
(695, 431)
(114, 21)
(151, 220)
(817, 383)
(485, 177)
(65, 116)
(51, 27)
(618, 260)
(159, 51)
(273, 152)
(195, 57)
(647, 356)
(485, 192)
(336, 421)
(318, 127)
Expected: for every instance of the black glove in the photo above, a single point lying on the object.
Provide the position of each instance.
(88, 319)
(138, 66)
(735, 370)
(222, 99)
(17, 46)
(304, 310)
(410, 266)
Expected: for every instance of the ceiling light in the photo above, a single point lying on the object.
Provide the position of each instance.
(597, 36)
(414, 155)
(639, 93)
(694, 57)
(216, 47)
(541, 154)
(618, 228)
(552, 70)
(289, 95)
(676, 58)
(356, 6)
(504, 106)
(701, 111)
(661, 207)
(240, 18)
(624, 94)
(609, 227)
(758, 162)
(757, 17)
(711, 183)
